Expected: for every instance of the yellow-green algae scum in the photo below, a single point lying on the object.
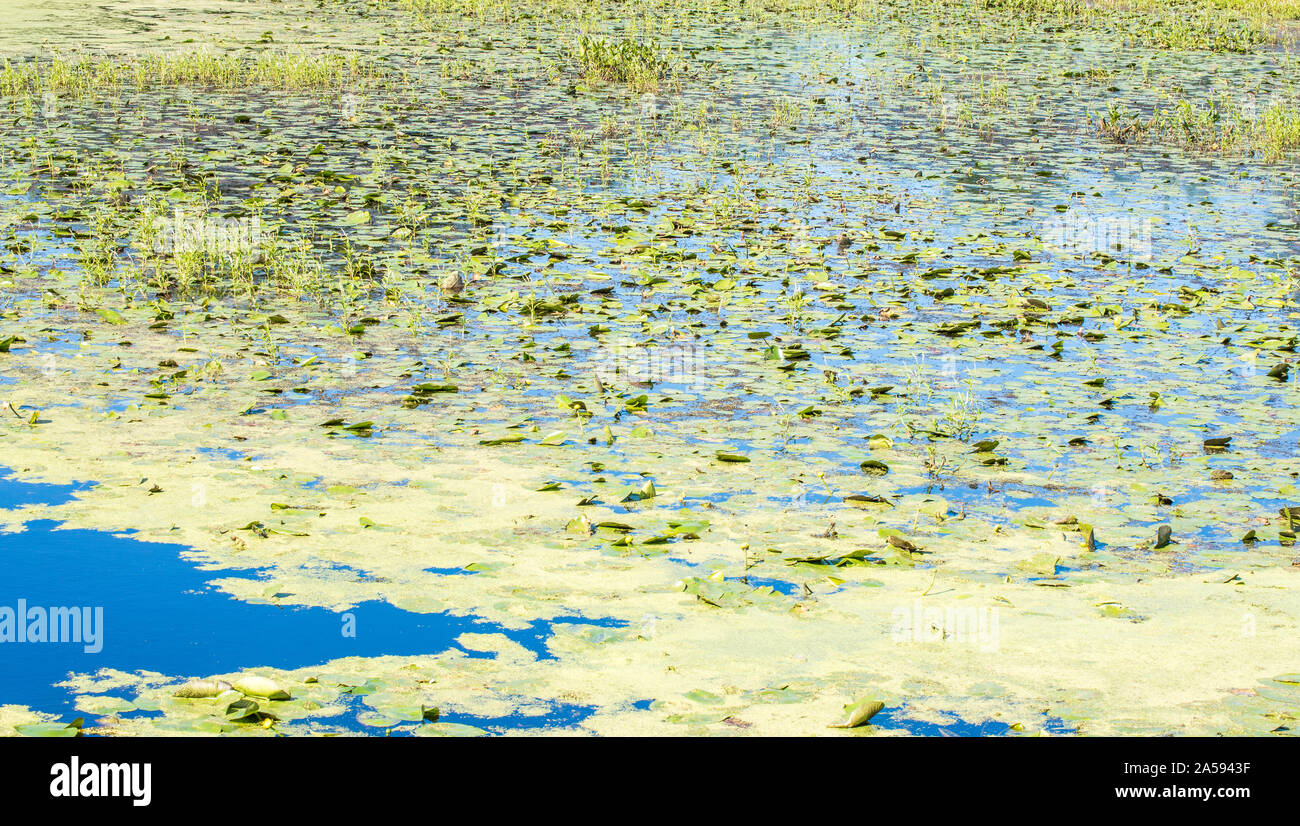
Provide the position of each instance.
(752, 209)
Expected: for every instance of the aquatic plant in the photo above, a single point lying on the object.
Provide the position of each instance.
(637, 65)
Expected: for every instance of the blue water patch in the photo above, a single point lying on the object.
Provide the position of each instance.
(897, 718)
(449, 571)
(561, 715)
(144, 607)
(694, 501)
(790, 589)
(556, 716)
(15, 494)
(1055, 725)
(1029, 502)
(1010, 495)
(227, 453)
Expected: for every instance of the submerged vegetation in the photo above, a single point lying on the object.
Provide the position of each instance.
(706, 357)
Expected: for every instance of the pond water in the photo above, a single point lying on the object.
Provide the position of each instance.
(924, 293)
(155, 611)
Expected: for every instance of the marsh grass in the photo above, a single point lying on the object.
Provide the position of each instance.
(1221, 26)
(88, 76)
(1121, 125)
(1277, 130)
(787, 112)
(494, 10)
(1263, 9)
(1272, 134)
(1185, 29)
(145, 249)
(646, 13)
